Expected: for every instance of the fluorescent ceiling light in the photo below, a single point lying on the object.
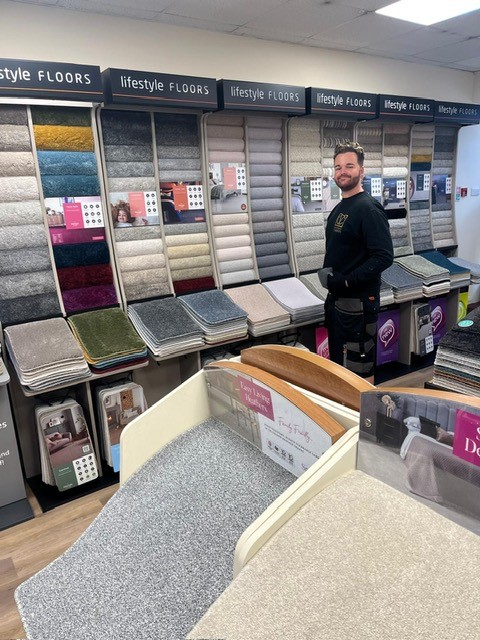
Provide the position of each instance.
(428, 12)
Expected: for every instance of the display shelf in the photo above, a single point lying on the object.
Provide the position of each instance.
(391, 370)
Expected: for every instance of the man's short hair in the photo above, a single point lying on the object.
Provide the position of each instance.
(349, 146)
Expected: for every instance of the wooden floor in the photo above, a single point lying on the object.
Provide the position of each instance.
(28, 547)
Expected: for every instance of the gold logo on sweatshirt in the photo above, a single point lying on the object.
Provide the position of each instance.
(340, 221)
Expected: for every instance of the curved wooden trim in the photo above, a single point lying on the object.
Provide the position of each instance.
(333, 428)
(309, 371)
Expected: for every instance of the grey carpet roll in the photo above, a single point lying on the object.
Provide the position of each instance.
(137, 233)
(265, 181)
(270, 122)
(266, 238)
(221, 219)
(266, 204)
(395, 161)
(308, 220)
(186, 239)
(24, 261)
(307, 248)
(16, 163)
(139, 136)
(18, 286)
(256, 157)
(271, 260)
(439, 155)
(18, 213)
(147, 276)
(268, 216)
(141, 262)
(13, 114)
(443, 206)
(188, 251)
(136, 291)
(183, 164)
(230, 266)
(394, 139)
(171, 175)
(133, 248)
(189, 263)
(29, 308)
(264, 133)
(14, 138)
(312, 169)
(305, 234)
(128, 153)
(232, 230)
(223, 131)
(419, 204)
(443, 147)
(265, 170)
(444, 219)
(264, 227)
(226, 144)
(304, 139)
(125, 121)
(18, 188)
(266, 192)
(443, 228)
(168, 126)
(27, 235)
(264, 146)
(232, 241)
(236, 277)
(276, 271)
(192, 227)
(235, 253)
(310, 263)
(226, 120)
(131, 184)
(130, 169)
(178, 152)
(226, 156)
(395, 172)
(270, 248)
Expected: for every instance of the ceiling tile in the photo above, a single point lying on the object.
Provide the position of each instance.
(472, 64)
(466, 25)
(366, 30)
(324, 44)
(367, 5)
(267, 35)
(49, 2)
(304, 17)
(226, 11)
(193, 23)
(416, 41)
(453, 52)
(146, 10)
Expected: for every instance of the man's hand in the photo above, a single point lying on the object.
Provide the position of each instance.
(336, 283)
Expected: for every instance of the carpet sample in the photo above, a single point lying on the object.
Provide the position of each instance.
(18, 286)
(14, 138)
(85, 276)
(13, 114)
(57, 163)
(63, 138)
(89, 297)
(24, 261)
(81, 255)
(193, 284)
(78, 185)
(24, 236)
(30, 308)
(18, 188)
(390, 543)
(16, 163)
(78, 117)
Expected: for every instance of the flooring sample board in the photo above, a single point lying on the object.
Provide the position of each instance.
(179, 517)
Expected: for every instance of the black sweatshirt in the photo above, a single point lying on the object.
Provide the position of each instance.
(359, 244)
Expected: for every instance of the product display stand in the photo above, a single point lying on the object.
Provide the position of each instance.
(14, 506)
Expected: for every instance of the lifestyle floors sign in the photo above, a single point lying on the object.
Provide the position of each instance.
(56, 80)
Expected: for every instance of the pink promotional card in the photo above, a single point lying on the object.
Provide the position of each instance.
(466, 442)
(321, 341)
(230, 178)
(137, 204)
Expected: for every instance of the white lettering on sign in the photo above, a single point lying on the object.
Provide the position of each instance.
(18, 74)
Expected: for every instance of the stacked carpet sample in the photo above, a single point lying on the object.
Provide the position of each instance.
(165, 326)
(297, 299)
(187, 244)
(405, 286)
(370, 137)
(231, 225)
(265, 157)
(313, 284)
(308, 232)
(421, 161)
(161, 551)
(311, 580)
(45, 354)
(459, 275)
(265, 315)
(220, 319)
(108, 340)
(68, 169)
(473, 267)
(457, 360)
(27, 285)
(128, 149)
(443, 161)
(435, 279)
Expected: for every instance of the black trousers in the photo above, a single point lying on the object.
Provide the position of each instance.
(352, 332)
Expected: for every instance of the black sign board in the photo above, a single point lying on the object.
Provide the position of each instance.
(457, 112)
(123, 86)
(261, 96)
(345, 104)
(405, 108)
(50, 80)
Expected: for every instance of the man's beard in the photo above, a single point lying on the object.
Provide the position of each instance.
(348, 185)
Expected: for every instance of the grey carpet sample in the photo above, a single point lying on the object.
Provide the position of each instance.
(14, 138)
(180, 516)
(266, 170)
(24, 261)
(131, 184)
(29, 308)
(22, 237)
(232, 266)
(18, 286)
(128, 153)
(213, 307)
(390, 557)
(181, 229)
(79, 117)
(130, 169)
(164, 320)
(18, 188)
(16, 163)
(262, 227)
(265, 181)
(13, 114)
(126, 128)
(138, 233)
(18, 213)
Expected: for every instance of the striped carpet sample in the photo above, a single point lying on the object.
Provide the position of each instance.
(265, 156)
(442, 171)
(128, 148)
(370, 137)
(71, 190)
(231, 220)
(188, 248)
(27, 285)
(420, 186)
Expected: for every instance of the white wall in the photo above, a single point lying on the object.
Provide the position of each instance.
(50, 33)
(467, 210)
